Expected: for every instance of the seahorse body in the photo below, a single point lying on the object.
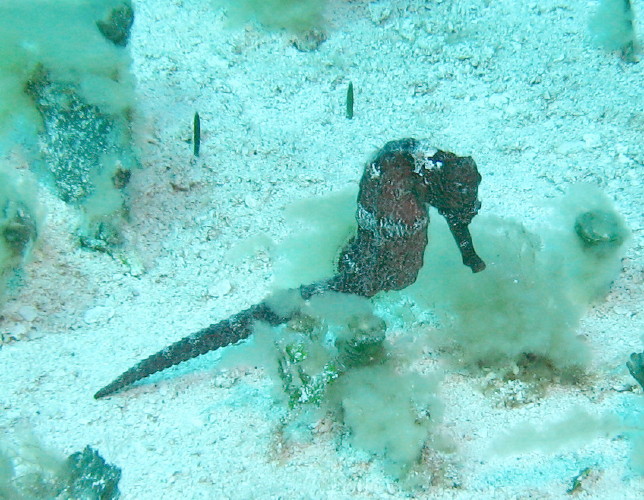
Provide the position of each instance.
(386, 253)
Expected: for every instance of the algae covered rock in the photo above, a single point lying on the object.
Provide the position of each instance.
(90, 476)
(67, 77)
(30, 471)
(117, 25)
(635, 366)
(362, 342)
(600, 231)
(19, 222)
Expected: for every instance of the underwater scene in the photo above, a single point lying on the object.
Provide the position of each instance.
(321, 249)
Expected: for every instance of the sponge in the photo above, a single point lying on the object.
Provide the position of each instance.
(64, 72)
(293, 15)
(524, 309)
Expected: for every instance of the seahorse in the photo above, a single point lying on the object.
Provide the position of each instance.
(386, 253)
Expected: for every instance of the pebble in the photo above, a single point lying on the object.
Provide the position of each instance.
(220, 289)
(136, 267)
(224, 380)
(379, 12)
(569, 147)
(98, 314)
(621, 310)
(17, 330)
(28, 313)
(498, 101)
(251, 201)
(592, 140)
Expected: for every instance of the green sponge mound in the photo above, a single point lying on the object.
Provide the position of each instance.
(20, 218)
(68, 104)
(527, 304)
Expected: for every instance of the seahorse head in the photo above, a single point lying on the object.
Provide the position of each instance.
(453, 187)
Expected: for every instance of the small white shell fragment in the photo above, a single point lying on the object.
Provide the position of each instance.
(135, 265)
(251, 201)
(28, 313)
(98, 314)
(498, 100)
(224, 380)
(569, 147)
(17, 330)
(220, 288)
(621, 310)
(379, 12)
(592, 140)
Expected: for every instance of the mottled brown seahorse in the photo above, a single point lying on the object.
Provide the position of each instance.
(386, 253)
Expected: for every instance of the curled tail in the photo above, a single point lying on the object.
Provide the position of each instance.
(226, 332)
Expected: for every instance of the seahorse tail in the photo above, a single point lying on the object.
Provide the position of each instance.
(221, 334)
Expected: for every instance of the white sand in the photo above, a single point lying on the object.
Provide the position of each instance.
(517, 85)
